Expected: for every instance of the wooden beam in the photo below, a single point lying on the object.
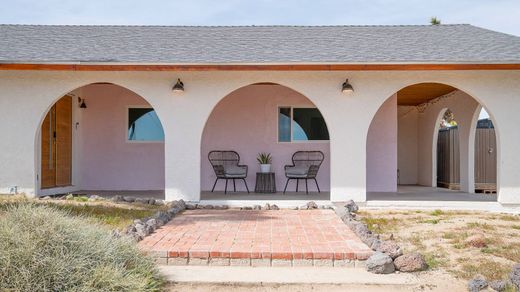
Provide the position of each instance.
(295, 67)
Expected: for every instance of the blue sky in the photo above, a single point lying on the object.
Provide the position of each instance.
(500, 15)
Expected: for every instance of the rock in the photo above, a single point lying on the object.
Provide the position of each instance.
(514, 276)
(351, 206)
(143, 201)
(499, 285)
(151, 225)
(476, 284)
(375, 244)
(69, 197)
(380, 263)
(274, 207)
(151, 202)
(138, 221)
(267, 207)
(477, 240)
(208, 207)
(128, 199)
(312, 205)
(390, 248)
(246, 208)
(191, 207)
(46, 198)
(159, 202)
(118, 198)
(294, 208)
(199, 206)
(411, 262)
(257, 207)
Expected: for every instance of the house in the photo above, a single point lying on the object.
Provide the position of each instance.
(91, 108)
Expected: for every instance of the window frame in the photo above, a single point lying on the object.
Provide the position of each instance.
(127, 113)
(292, 107)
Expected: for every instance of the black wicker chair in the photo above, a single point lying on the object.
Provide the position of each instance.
(305, 166)
(226, 166)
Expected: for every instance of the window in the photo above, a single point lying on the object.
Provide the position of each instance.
(301, 124)
(144, 125)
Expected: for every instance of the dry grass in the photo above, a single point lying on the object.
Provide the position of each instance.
(463, 243)
(113, 215)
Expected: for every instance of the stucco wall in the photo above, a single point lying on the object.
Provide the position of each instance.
(407, 119)
(382, 149)
(107, 160)
(25, 96)
(247, 121)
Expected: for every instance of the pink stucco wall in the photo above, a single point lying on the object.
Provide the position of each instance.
(382, 149)
(107, 160)
(247, 121)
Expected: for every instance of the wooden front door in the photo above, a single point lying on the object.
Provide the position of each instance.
(56, 145)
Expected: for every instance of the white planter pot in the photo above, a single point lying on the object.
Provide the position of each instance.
(265, 168)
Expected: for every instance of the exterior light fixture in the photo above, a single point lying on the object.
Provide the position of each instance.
(347, 88)
(179, 86)
(82, 103)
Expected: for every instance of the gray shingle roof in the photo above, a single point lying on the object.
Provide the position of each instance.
(256, 44)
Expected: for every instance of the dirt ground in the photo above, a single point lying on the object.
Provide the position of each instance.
(462, 244)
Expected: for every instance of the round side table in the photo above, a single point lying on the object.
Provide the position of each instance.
(265, 182)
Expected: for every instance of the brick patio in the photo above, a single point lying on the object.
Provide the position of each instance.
(263, 238)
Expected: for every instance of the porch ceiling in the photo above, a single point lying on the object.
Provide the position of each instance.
(421, 93)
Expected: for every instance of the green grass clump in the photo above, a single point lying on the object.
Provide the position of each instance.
(46, 249)
(430, 221)
(437, 212)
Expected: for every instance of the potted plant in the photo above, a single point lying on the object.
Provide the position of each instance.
(265, 162)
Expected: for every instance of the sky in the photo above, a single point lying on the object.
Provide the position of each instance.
(499, 15)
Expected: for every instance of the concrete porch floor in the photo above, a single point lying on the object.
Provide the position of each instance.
(422, 193)
(279, 196)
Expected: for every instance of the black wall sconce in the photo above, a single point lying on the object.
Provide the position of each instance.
(179, 86)
(82, 103)
(347, 88)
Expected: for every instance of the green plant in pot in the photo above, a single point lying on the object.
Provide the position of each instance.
(265, 162)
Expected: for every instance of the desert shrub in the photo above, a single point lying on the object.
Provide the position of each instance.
(46, 249)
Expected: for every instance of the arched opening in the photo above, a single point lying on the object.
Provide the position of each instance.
(485, 154)
(420, 145)
(265, 118)
(101, 139)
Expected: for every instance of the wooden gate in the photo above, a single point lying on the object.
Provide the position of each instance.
(448, 166)
(485, 157)
(56, 145)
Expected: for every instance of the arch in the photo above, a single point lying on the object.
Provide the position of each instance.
(439, 108)
(263, 82)
(246, 120)
(130, 98)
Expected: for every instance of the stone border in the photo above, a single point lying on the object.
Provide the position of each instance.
(144, 227)
(388, 256)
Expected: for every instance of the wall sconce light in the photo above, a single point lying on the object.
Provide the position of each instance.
(179, 86)
(82, 103)
(347, 88)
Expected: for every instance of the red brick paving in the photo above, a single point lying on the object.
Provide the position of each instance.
(265, 234)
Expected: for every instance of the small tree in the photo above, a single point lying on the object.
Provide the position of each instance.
(435, 21)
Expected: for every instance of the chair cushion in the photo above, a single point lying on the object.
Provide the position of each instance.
(297, 170)
(234, 170)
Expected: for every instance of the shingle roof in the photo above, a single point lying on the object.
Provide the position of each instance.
(256, 44)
